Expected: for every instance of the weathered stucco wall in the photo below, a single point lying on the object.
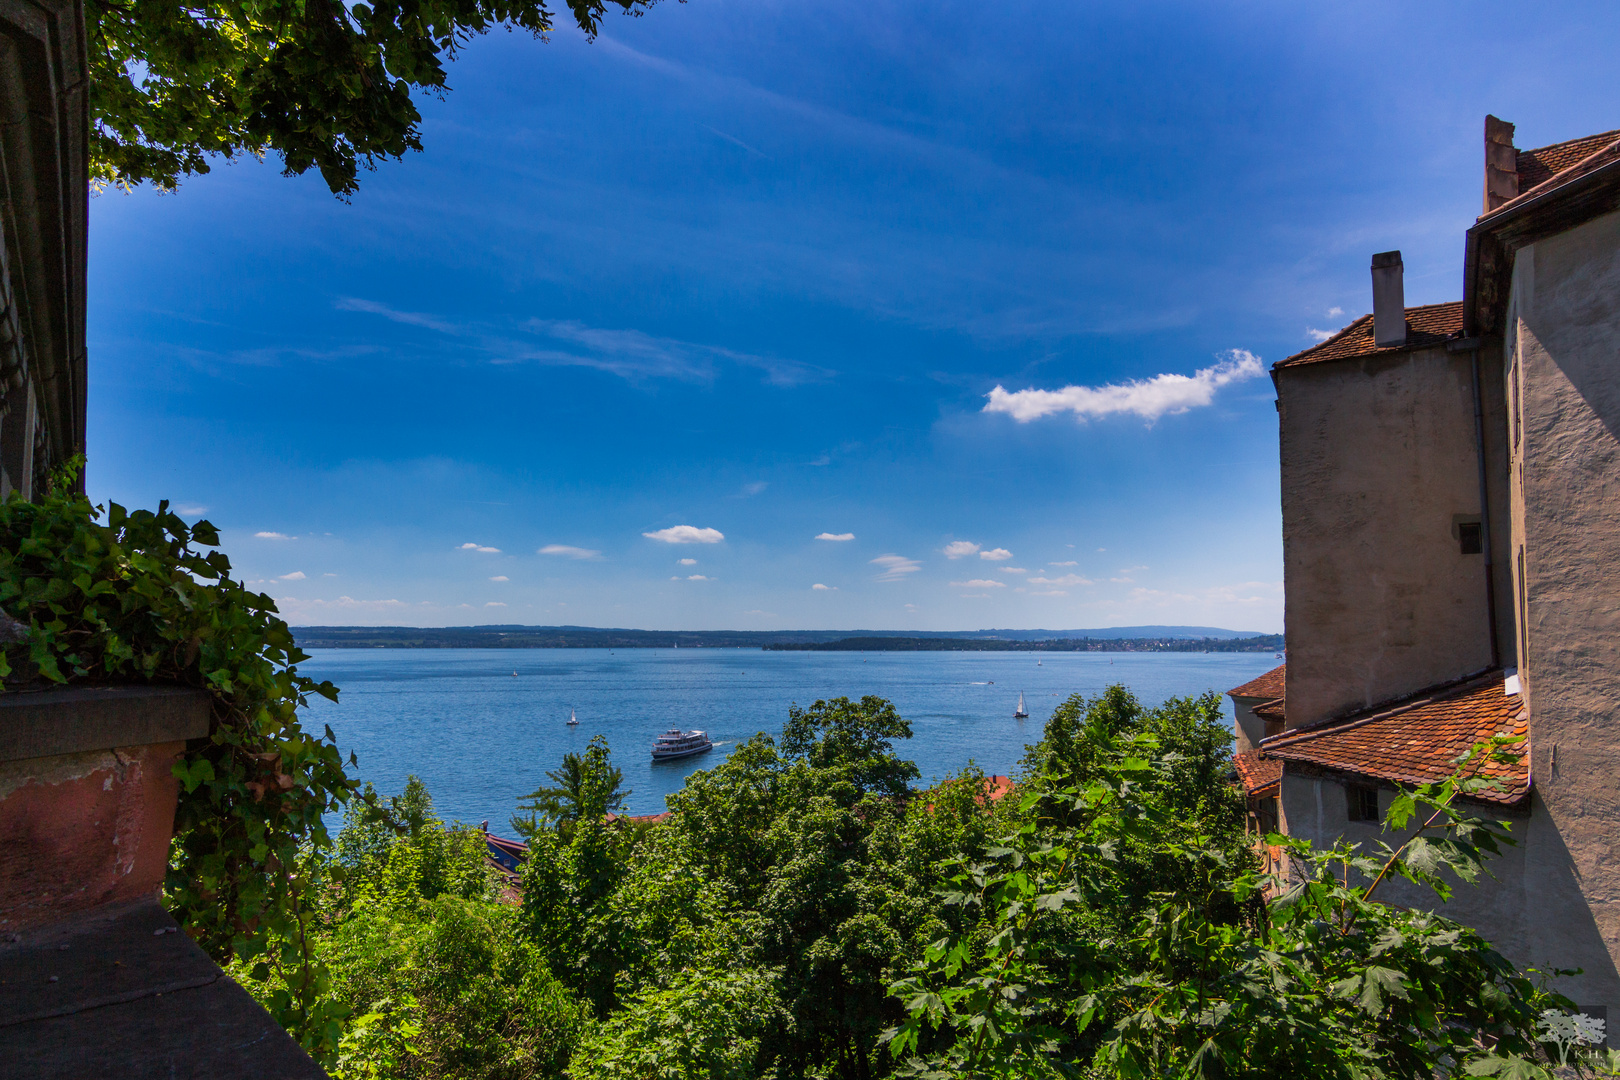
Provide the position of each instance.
(1378, 462)
(1248, 728)
(1563, 343)
(1531, 907)
(81, 830)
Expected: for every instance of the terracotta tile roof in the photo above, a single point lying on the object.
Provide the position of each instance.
(1269, 685)
(1417, 741)
(1275, 709)
(1426, 326)
(1256, 773)
(1536, 167)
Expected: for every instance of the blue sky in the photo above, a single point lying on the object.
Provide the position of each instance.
(736, 276)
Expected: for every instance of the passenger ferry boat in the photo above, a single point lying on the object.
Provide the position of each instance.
(676, 743)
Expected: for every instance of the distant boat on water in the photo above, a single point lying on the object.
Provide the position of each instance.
(573, 721)
(1022, 713)
(676, 743)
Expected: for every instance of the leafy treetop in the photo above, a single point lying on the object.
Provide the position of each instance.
(324, 84)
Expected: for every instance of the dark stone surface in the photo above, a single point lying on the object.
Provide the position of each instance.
(73, 720)
(132, 997)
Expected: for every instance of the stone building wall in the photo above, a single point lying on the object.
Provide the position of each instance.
(1379, 470)
(1563, 383)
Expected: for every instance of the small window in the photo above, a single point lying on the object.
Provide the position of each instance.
(1363, 802)
(1468, 538)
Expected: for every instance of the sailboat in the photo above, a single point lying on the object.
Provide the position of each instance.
(1022, 713)
(573, 721)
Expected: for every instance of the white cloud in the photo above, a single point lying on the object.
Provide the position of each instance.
(409, 318)
(494, 603)
(568, 551)
(755, 488)
(1066, 579)
(1050, 592)
(686, 534)
(500, 577)
(272, 536)
(819, 587)
(995, 555)
(1335, 312)
(696, 577)
(839, 537)
(191, 511)
(480, 548)
(1011, 570)
(296, 575)
(1318, 335)
(896, 567)
(688, 562)
(1147, 398)
(979, 583)
(960, 549)
(1070, 562)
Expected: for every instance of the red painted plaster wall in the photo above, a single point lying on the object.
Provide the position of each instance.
(83, 830)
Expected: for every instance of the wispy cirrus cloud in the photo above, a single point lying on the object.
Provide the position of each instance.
(895, 567)
(628, 353)
(272, 536)
(686, 534)
(979, 583)
(1149, 399)
(409, 318)
(568, 551)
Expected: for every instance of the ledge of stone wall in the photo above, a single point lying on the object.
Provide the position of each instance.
(73, 720)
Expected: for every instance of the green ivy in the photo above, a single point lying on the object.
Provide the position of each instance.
(112, 596)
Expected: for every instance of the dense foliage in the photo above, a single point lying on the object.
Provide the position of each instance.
(117, 596)
(805, 911)
(323, 84)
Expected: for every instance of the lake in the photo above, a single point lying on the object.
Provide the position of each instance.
(481, 736)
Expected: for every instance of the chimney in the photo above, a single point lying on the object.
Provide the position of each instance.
(1389, 299)
(1501, 164)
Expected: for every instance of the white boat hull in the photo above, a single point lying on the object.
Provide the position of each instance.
(672, 754)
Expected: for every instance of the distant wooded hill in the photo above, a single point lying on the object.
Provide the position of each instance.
(1123, 638)
(1258, 643)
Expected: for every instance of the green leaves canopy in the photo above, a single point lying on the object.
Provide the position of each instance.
(324, 84)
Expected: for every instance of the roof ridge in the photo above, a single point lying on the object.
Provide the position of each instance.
(1575, 170)
(1615, 134)
(1338, 347)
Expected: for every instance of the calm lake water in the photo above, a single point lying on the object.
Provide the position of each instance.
(481, 738)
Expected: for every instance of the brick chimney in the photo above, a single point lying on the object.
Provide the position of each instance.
(1389, 299)
(1501, 164)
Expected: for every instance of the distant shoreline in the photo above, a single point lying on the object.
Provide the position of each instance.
(1259, 644)
(1118, 639)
